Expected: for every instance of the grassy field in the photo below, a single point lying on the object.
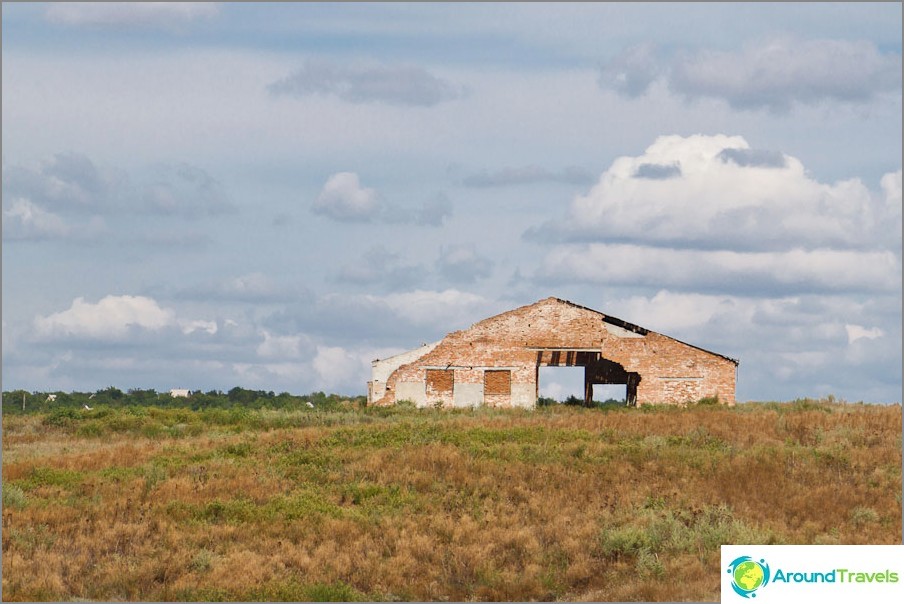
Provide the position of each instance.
(145, 503)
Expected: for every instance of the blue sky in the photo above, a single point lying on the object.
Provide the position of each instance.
(273, 195)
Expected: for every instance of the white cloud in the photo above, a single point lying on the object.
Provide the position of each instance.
(462, 264)
(394, 85)
(26, 220)
(858, 332)
(891, 188)
(186, 190)
(632, 71)
(774, 74)
(710, 212)
(379, 266)
(337, 367)
(282, 347)
(555, 390)
(670, 312)
(448, 307)
(69, 182)
(111, 318)
(724, 270)
(167, 15)
(208, 327)
(718, 192)
(344, 199)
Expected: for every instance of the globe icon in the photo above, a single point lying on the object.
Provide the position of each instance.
(748, 575)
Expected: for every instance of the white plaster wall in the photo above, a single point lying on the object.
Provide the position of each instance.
(381, 369)
(524, 395)
(415, 392)
(467, 395)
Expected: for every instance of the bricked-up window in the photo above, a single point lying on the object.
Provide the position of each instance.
(497, 382)
(439, 381)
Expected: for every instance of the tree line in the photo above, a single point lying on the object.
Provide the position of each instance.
(19, 401)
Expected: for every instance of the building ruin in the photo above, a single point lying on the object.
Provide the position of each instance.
(497, 362)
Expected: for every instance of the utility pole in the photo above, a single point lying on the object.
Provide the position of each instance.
(23, 401)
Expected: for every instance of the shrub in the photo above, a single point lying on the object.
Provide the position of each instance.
(623, 542)
(63, 416)
(861, 515)
(648, 564)
(13, 496)
(201, 561)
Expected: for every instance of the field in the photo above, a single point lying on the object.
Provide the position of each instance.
(151, 503)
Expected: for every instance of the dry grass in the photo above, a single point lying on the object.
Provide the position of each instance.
(557, 503)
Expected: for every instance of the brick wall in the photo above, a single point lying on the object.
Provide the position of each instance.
(670, 371)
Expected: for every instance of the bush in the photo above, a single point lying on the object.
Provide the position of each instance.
(61, 417)
(861, 515)
(13, 496)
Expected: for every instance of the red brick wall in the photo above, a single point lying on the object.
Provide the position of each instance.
(671, 372)
(439, 385)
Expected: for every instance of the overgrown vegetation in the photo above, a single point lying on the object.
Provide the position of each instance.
(268, 501)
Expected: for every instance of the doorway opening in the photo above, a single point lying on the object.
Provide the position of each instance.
(560, 385)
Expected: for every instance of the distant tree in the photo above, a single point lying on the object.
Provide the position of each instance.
(109, 394)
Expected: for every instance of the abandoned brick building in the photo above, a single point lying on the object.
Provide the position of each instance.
(497, 361)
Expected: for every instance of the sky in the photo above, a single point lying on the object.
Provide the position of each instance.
(271, 196)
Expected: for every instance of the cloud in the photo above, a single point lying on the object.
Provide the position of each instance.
(449, 307)
(72, 183)
(658, 171)
(632, 71)
(252, 287)
(187, 190)
(67, 182)
(25, 220)
(284, 347)
(345, 200)
(436, 211)
(527, 175)
(165, 15)
(673, 312)
(401, 319)
(111, 318)
(337, 367)
(462, 264)
(773, 74)
(757, 158)
(380, 266)
(751, 273)
(393, 85)
(858, 332)
(712, 192)
(199, 325)
(891, 190)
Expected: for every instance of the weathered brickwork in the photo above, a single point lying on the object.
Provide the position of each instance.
(439, 386)
(497, 382)
(515, 344)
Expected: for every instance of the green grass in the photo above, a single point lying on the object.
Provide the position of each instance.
(401, 503)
